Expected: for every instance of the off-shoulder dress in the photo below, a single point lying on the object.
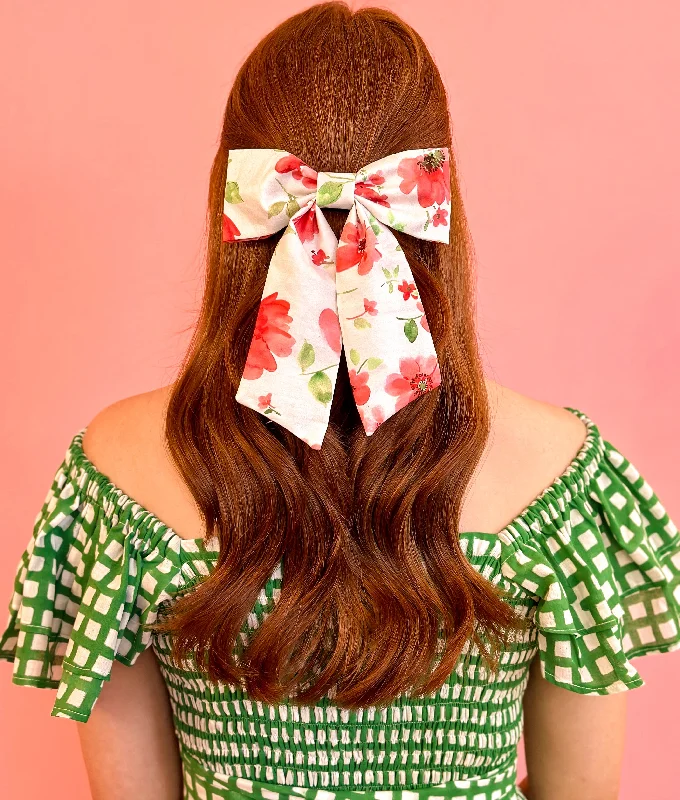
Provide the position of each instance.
(594, 561)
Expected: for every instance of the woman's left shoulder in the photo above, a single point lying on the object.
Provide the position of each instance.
(127, 443)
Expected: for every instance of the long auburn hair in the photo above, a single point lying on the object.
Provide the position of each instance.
(377, 597)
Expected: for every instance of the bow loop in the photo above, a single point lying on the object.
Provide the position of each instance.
(411, 193)
(264, 190)
(321, 295)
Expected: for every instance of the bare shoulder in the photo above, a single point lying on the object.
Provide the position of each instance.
(124, 429)
(545, 429)
(531, 443)
(126, 442)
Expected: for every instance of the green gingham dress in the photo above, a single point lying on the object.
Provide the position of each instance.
(594, 561)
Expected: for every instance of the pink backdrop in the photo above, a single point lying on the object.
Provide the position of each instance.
(566, 133)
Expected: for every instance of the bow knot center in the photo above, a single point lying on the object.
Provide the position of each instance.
(335, 189)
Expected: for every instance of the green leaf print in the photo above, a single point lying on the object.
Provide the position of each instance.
(275, 209)
(427, 221)
(391, 288)
(398, 226)
(306, 356)
(373, 363)
(321, 387)
(292, 206)
(411, 330)
(374, 224)
(231, 194)
(354, 356)
(396, 269)
(360, 322)
(386, 273)
(328, 193)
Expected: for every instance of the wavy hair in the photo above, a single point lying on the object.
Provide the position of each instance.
(377, 597)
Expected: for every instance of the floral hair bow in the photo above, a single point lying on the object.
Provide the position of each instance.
(321, 294)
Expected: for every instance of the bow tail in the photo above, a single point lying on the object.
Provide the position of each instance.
(390, 354)
(292, 363)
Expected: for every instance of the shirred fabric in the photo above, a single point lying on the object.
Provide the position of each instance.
(93, 574)
(594, 561)
(604, 565)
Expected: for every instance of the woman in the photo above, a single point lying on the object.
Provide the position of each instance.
(461, 562)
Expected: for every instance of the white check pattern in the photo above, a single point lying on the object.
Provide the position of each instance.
(594, 560)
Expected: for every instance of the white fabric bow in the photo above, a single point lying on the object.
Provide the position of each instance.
(320, 295)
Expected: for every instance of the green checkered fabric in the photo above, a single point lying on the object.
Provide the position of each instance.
(593, 561)
(605, 573)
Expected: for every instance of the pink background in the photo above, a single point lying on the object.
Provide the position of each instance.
(567, 137)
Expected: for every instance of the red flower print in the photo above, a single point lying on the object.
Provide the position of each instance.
(229, 230)
(264, 403)
(330, 327)
(306, 225)
(439, 217)
(418, 375)
(370, 307)
(407, 289)
(371, 425)
(318, 257)
(300, 171)
(366, 190)
(430, 174)
(270, 338)
(357, 247)
(359, 388)
(423, 320)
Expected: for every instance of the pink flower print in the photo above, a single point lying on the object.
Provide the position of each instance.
(370, 307)
(318, 256)
(270, 337)
(330, 327)
(363, 189)
(430, 174)
(439, 217)
(423, 320)
(306, 225)
(418, 375)
(229, 230)
(360, 390)
(378, 417)
(299, 171)
(357, 247)
(407, 289)
(264, 403)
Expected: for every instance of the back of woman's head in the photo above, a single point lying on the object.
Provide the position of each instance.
(366, 528)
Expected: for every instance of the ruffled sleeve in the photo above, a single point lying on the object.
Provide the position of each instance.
(92, 577)
(600, 557)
